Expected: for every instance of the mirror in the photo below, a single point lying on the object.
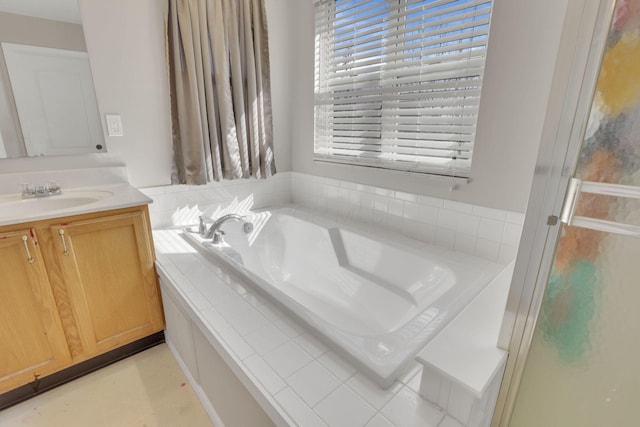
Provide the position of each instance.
(47, 100)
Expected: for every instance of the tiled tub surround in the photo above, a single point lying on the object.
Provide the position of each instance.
(492, 234)
(179, 205)
(295, 378)
(377, 296)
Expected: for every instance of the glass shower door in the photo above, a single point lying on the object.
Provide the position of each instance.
(583, 364)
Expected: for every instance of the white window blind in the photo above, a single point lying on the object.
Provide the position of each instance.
(398, 82)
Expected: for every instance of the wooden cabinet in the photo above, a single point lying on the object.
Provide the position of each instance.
(94, 282)
(32, 342)
(107, 265)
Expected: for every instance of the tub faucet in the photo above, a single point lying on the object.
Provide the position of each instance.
(215, 233)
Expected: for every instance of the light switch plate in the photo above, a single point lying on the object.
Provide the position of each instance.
(114, 124)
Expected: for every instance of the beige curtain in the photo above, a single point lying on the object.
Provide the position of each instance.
(218, 60)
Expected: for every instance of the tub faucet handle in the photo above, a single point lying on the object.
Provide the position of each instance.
(217, 237)
(202, 226)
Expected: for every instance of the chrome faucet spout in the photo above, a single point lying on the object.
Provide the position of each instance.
(214, 230)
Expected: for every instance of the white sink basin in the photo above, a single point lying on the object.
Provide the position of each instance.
(14, 206)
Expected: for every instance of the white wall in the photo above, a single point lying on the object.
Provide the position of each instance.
(125, 41)
(522, 52)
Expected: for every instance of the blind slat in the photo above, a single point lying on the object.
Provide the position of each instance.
(398, 82)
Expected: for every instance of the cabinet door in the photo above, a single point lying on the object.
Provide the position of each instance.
(107, 266)
(32, 341)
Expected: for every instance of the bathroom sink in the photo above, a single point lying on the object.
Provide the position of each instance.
(14, 206)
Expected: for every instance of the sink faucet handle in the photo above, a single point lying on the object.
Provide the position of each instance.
(28, 191)
(53, 187)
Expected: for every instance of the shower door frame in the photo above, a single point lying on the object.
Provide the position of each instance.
(585, 32)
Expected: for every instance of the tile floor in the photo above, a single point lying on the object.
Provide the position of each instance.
(148, 389)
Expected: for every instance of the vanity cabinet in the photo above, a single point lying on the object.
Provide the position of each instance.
(95, 279)
(32, 341)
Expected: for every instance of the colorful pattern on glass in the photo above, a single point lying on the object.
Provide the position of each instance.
(610, 153)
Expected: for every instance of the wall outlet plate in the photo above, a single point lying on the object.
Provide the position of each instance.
(114, 124)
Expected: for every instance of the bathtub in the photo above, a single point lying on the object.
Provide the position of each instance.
(376, 297)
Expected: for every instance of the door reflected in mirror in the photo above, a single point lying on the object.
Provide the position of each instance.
(47, 99)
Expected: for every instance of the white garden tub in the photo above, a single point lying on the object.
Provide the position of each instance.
(377, 297)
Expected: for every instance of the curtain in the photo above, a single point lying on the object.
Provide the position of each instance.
(218, 63)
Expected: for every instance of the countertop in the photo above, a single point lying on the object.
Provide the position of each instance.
(114, 196)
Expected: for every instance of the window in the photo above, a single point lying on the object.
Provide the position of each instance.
(398, 82)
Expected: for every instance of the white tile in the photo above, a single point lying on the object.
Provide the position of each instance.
(431, 201)
(313, 383)
(287, 359)
(289, 327)
(491, 229)
(266, 339)
(379, 421)
(458, 206)
(381, 204)
(372, 393)
(511, 234)
(445, 238)
(337, 366)
(367, 201)
(347, 184)
(245, 319)
(465, 243)
(444, 393)
(430, 384)
(311, 344)
(394, 222)
(490, 213)
(270, 312)
(196, 298)
(407, 409)
(429, 215)
(507, 254)
(414, 368)
(468, 224)
(450, 422)
(410, 228)
(427, 233)
(384, 192)
(411, 211)
(396, 207)
(298, 410)
(264, 373)
(515, 218)
(237, 344)
(344, 408)
(488, 249)
(448, 219)
(408, 197)
(414, 382)
(254, 299)
(461, 403)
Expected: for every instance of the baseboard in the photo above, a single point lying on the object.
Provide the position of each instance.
(56, 379)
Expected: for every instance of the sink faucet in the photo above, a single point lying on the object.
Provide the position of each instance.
(51, 189)
(215, 233)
